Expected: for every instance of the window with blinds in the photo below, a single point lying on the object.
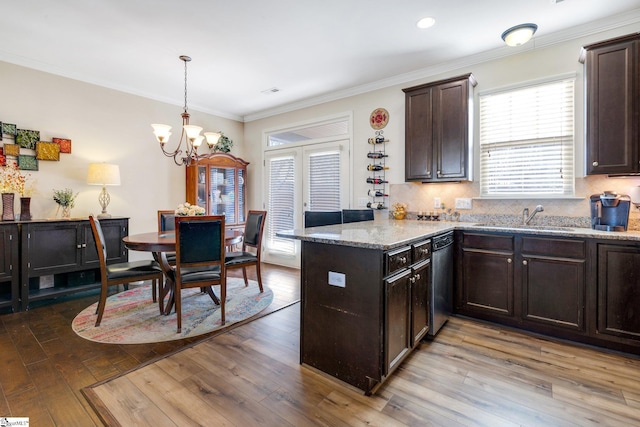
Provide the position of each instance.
(324, 181)
(527, 140)
(281, 196)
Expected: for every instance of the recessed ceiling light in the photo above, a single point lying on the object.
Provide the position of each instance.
(270, 90)
(426, 22)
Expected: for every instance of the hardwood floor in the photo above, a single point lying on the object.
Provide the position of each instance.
(44, 365)
(472, 374)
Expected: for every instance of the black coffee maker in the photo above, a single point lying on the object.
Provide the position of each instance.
(610, 211)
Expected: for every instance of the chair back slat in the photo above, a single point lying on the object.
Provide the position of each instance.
(200, 241)
(166, 220)
(98, 236)
(356, 215)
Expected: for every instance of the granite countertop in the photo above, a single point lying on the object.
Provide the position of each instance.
(385, 235)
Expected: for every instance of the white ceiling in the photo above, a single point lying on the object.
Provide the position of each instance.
(312, 51)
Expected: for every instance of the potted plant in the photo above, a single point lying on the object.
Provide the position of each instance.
(224, 143)
(65, 199)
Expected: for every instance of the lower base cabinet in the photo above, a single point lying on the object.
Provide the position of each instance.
(619, 291)
(363, 310)
(9, 267)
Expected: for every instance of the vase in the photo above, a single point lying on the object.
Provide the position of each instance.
(66, 212)
(25, 208)
(7, 207)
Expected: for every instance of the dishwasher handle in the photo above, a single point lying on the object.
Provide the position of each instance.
(443, 241)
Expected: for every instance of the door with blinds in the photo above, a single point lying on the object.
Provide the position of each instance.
(310, 177)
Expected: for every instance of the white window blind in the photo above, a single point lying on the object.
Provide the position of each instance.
(527, 140)
(281, 197)
(324, 181)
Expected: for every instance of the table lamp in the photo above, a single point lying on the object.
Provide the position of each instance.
(103, 174)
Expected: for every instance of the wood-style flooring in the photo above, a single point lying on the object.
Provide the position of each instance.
(44, 365)
(472, 374)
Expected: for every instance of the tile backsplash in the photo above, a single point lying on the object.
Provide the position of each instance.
(570, 212)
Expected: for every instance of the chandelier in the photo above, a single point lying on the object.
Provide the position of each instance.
(190, 134)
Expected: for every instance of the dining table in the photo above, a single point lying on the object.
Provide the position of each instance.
(161, 242)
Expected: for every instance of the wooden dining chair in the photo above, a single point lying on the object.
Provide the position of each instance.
(121, 273)
(252, 238)
(356, 215)
(166, 222)
(318, 218)
(200, 259)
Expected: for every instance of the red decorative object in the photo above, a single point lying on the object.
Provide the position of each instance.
(379, 118)
(65, 144)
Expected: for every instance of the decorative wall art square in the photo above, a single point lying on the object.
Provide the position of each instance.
(47, 151)
(28, 138)
(65, 144)
(27, 163)
(8, 130)
(11, 150)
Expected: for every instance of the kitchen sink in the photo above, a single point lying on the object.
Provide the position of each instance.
(526, 227)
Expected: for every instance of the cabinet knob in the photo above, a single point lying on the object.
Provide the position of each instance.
(417, 276)
(78, 246)
(508, 260)
(524, 262)
(595, 163)
(403, 260)
(412, 279)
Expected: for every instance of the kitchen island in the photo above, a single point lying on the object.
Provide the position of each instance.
(363, 293)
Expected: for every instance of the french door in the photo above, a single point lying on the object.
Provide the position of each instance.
(307, 177)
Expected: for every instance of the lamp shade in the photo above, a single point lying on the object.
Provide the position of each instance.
(519, 35)
(103, 174)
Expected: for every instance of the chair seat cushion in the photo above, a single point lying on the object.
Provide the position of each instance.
(234, 258)
(197, 274)
(132, 269)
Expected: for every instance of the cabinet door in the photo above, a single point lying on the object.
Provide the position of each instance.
(450, 130)
(397, 318)
(420, 298)
(8, 235)
(613, 87)
(418, 135)
(554, 291)
(487, 282)
(619, 290)
(51, 247)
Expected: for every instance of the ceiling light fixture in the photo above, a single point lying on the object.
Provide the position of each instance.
(426, 22)
(190, 134)
(519, 35)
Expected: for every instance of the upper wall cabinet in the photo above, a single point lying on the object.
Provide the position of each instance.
(437, 130)
(613, 105)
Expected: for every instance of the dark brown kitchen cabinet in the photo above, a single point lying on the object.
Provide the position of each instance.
(619, 291)
(486, 282)
(613, 105)
(60, 257)
(9, 267)
(553, 281)
(438, 130)
(420, 282)
(397, 318)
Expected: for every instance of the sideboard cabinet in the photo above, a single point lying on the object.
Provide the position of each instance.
(9, 267)
(218, 184)
(59, 257)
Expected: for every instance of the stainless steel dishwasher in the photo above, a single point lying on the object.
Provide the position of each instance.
(441, 294)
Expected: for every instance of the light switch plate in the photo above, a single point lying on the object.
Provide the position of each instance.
(463, 203)
(437, 202)
(337, 279)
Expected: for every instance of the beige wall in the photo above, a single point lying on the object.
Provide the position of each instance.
(104, 126)
(529, 65)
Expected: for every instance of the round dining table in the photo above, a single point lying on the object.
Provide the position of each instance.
(161, 242)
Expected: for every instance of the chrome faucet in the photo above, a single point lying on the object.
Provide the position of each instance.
(526, 218)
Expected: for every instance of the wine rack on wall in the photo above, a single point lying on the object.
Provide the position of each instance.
(377, 171)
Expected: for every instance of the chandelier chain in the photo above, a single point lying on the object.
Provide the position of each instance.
(185, 86)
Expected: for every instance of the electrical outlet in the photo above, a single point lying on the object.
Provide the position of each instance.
(463, 203)
(362, 202)
(437, 202)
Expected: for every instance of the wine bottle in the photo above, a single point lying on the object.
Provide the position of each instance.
(375, 205)
(376, 181)
(377, 193)
(378, 140)
(376, 155)
(376, 167)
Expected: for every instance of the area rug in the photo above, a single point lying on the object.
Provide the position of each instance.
(131, 317)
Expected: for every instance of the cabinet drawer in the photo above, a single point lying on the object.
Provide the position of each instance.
(420, 251)
(487, 241)
(554, 247)
(397, 260)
